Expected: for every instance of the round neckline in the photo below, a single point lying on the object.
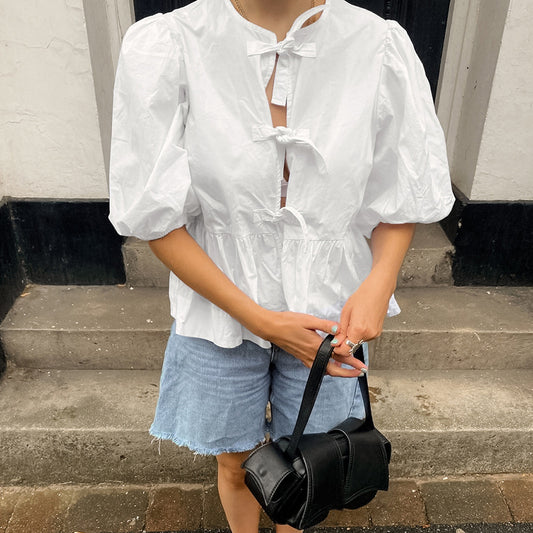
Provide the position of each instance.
(269, 33)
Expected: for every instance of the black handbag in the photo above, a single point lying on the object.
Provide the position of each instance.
(298, 479)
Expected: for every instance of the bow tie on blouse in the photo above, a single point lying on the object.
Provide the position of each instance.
(267, 215)
(283, 49)
(280, 91)
(286, 136)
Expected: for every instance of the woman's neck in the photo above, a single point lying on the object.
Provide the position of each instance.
(277, 15)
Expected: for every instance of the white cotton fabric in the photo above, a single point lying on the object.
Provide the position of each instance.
(193, 144)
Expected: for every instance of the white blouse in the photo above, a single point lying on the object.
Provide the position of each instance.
(193, 144)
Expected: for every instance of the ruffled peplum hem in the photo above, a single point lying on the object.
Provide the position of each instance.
(306, 276)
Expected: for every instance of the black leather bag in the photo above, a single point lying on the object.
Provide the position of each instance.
(298, 479)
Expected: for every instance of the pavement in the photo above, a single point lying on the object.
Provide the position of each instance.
(464, 528)
(474, 504)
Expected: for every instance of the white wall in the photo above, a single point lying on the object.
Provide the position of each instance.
(473, 42)
(59, 58)
(505, 166)
(485, 102)
(53, 143)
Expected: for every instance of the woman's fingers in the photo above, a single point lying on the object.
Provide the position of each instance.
(341, 352)
(349, 360)
(298, 336)
(334, 368)
(321, 324)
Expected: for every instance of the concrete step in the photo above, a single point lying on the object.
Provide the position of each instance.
(459, 328)
(427, 263)
(143, 269)
(90, 426)
(116, 327)
(97, 327)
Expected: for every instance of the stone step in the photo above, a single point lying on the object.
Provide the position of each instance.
(427, 263)
(91, 426)
(116, 327)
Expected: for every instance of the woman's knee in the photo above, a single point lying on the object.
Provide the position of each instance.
(229, 468)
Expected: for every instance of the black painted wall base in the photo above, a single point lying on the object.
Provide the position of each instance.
(11, 273)
(67, 242)
(493, 242)
(12, 278)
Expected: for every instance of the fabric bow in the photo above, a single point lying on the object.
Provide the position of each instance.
(281, 87)
(262, 215)
(284, 135)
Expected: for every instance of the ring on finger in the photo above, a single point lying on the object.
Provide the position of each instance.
(353, 346)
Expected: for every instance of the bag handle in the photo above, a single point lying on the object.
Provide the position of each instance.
(312, 387)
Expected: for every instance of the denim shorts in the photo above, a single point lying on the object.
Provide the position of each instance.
(213, 400)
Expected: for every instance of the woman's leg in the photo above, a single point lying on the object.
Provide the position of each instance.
(286, 529)
(241, 508)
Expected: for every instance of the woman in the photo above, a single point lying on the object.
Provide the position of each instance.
(261, 211)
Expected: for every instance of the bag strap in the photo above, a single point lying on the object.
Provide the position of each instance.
(312, 387)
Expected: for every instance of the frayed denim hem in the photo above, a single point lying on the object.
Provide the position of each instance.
(198, 450)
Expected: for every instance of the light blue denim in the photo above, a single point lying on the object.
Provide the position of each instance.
(213, 400)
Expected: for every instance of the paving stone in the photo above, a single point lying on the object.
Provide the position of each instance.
(461, 502)
(104, 509)
(265, 522)
(176, 507)
(40, 510)
(518, 494)
(8, 498)
(214, 517)
(402, 505)
(347, 518)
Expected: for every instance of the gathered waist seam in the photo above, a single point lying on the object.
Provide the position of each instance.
(285, 239)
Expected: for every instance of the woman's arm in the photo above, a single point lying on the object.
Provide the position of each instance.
(294, 332)
(363, 314)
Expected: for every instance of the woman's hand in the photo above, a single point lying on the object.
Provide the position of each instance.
(363, 314)
(296, 334)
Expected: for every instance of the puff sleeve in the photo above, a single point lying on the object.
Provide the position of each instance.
(409, 180)
(150, 191)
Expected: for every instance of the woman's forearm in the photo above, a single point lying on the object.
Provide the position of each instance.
(389, 244)
(183, 256)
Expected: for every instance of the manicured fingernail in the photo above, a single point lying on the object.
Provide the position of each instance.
(335, 341)
(334, 329)
(363, 371)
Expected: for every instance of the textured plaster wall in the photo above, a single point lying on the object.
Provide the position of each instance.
(51, 140)
(505, 165)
